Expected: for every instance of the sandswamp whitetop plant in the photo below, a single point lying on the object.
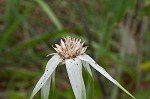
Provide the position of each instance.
(72, 52)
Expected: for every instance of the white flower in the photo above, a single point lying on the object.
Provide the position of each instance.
(72, 52)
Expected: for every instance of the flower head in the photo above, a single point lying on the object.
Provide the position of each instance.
(71, 51)
(70, 48)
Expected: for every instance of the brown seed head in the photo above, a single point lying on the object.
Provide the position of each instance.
(70, 48)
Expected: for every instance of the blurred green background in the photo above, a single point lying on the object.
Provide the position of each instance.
(116, 31)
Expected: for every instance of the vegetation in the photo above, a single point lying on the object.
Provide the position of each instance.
(116, 31)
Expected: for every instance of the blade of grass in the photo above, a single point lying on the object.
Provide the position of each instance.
(8, 32)
(10, 23)
(21, 73)
(38, 39)
(17, 19)
(50, 14)
(124, 67)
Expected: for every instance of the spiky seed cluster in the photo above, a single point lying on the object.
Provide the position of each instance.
(70, 48)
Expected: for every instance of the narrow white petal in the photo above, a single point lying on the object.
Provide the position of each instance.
(63, 44)
(102, 71)
(74, 69)
(83, 49)
(83, 90)
(51, 66)
(51, 61)
(51, 54)
(56, 50)
(58, 46)
(87, 67)
(45, 89)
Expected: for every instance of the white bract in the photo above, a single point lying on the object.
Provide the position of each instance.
(72, 52)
